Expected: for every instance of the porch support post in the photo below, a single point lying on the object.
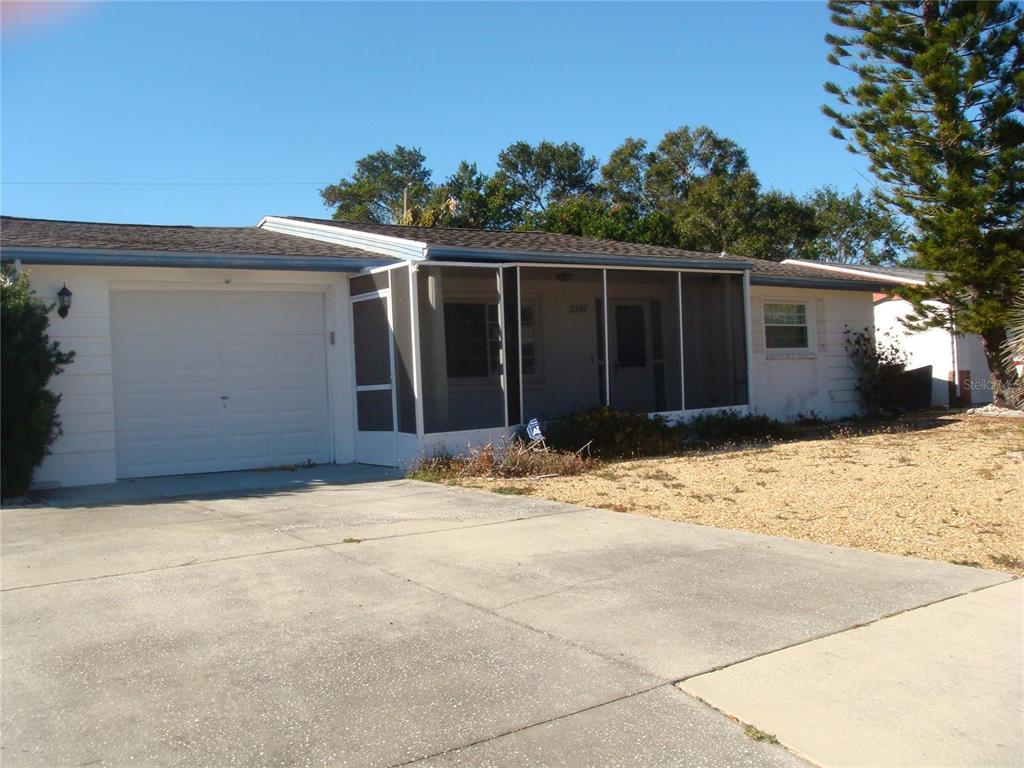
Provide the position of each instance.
(607, 357)
(391, 352)
(504, 341)
(747, 337)
(682, 350)
(519, 340)
(417, 368)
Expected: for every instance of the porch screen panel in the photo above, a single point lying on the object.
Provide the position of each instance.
(562, 341)
(643, 336)
(372, 338)
(510, 291)
(401, 314)
(461, 348)
(714, 341)
(378, 281)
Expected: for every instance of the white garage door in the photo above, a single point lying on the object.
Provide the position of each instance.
(211, 381)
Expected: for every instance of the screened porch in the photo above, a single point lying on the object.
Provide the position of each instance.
(458, 348)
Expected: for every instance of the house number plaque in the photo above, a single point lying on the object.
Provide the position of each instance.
(577, 309)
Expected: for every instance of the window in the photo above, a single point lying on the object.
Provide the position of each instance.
(528, 340)
(785, 326)
(472, 340)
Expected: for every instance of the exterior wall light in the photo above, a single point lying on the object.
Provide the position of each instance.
(63, 301)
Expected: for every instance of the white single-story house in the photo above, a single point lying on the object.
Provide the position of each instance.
(960, 372)
(202, 349)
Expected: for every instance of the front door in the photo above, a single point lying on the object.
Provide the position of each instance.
(374, 368)
(632, 365)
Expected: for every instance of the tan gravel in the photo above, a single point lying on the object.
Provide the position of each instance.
(948, 488)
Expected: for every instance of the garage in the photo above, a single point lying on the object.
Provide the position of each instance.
(214, 380)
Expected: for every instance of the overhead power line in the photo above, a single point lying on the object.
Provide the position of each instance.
(166, 183)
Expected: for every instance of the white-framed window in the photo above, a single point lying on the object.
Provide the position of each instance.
(472, 336)
(785, 325)
(529, 339)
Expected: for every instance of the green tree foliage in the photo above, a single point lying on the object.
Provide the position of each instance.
(780, 226)
(853, 229)
(534, 177)
(936, 105)
(29, 359)
(693, 190)
(387, 188)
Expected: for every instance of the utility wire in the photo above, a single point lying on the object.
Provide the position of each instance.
(167, 183)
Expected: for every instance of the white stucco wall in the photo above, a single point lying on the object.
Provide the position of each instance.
(86, 452)
(934, 347)
(817, 381)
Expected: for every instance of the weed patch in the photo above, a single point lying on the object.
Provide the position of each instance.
(758, 735)
(514, 458)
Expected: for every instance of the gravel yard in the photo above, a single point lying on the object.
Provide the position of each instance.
(948, 488)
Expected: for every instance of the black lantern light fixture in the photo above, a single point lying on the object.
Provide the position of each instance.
(63, 301)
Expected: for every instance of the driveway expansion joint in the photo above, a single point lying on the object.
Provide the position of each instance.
(851, 628)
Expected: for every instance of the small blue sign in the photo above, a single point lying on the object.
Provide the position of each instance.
(533, 430)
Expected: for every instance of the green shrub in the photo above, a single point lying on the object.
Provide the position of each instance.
(879, 365)
(610, 434)
(29, 359)
(729, 427)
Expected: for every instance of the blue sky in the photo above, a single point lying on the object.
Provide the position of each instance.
(228, 111)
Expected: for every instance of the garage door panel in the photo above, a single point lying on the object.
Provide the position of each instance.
(210, 381)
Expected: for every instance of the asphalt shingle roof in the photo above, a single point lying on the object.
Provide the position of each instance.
(50, 233)
(554, 243)
(256, 241)
(534, 242)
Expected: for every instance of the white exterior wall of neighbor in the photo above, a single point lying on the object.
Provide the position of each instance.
(86, 453)
(819, 380)
(933, 347)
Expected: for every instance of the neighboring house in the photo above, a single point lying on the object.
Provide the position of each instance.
(960, 372)
(203, 348)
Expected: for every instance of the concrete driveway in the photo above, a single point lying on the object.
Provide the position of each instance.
(342, 616)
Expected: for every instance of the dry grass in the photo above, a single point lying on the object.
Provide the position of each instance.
(947, 489)
(512, 458)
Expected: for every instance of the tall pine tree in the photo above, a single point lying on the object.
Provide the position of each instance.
(936, 105)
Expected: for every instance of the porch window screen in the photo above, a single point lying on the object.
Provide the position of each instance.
(785, 326)
(562, 341)
(714, 341)
(401, 312)
(373, 365)
(378, 281)
(511, 294)
(643, 335)
(461, 348)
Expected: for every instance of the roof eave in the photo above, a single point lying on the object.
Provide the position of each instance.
(386, 245)
(817, 282)
(853, 270)
(196, 260)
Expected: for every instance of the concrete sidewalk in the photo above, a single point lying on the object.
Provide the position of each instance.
(936, 686)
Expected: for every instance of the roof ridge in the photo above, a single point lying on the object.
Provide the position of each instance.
(113, 223)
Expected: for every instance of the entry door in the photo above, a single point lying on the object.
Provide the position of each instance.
(207, 381)
(374, 369)
(632, 364)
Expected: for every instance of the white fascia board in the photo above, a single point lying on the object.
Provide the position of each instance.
(867, 274)
(385, 245)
